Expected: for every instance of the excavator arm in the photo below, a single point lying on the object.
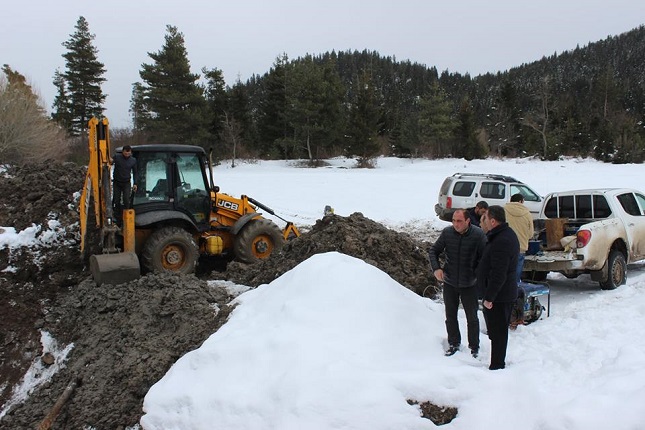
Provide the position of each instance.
(112, 266)
(97, 179)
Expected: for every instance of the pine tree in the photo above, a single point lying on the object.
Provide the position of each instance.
(314, 101)
(364, 116)
(273, 126)
(217, 100)
(239, 110)
(61, 112)
(137, 107)
(171, 107)
(82, 96)
(436, 123)
(467, 146)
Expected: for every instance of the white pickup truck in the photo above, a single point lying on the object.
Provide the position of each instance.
(588, 231)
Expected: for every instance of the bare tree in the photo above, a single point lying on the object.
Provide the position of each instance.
(231, 135)
(26, 134)
(539, 120)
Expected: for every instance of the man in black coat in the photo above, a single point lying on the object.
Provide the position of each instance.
(125, 169)
(477, 212)
(462, 246)
(496, 278)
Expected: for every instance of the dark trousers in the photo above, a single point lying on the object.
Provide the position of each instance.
(468, 296)
(121, 197)
(497, 321)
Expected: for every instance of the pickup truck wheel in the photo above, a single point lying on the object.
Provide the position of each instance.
(617, 271)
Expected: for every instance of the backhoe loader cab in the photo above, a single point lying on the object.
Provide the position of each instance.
(171, 184)
(181, 215)
(177, 214)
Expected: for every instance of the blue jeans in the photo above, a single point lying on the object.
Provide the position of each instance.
(520, 265)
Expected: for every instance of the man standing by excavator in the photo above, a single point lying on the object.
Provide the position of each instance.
(124, 171)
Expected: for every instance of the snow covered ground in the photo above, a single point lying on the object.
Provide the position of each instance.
(337, 344)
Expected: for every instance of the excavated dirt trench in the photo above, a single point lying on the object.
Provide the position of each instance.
(126, 337)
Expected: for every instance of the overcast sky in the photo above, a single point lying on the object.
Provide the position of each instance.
(244, 37)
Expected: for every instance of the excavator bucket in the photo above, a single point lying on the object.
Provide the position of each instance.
(114, 269)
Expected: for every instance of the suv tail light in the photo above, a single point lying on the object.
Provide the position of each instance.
(449, 202)
(582, 238)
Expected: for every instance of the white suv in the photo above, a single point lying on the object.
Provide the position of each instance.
(464, 190)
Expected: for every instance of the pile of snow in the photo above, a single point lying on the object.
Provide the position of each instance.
(337, 344)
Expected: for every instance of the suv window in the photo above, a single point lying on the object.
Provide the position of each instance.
(463, 189)
(492, 190)
(445, 187)
(529, 194)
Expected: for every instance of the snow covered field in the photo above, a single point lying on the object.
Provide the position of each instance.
(337, 344)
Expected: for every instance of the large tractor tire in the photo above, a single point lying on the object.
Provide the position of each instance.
(617, 271)
(170, 249)
(258, 240)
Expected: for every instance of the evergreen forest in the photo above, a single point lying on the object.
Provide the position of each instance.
(586, 102)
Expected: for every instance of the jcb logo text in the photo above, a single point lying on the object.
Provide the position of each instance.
(227, 205)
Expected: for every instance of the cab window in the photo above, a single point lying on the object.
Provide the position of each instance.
(600, 207)
(192, 196)
(566, 207)
(153, 182)
(583, 206)
(641, 202)
(629, 204)
(577, 206)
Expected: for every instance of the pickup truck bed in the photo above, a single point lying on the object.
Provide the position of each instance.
(609, 232)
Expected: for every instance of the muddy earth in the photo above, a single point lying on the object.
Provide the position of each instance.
(107, 346)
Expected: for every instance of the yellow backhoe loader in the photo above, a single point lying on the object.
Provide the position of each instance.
(177, 214)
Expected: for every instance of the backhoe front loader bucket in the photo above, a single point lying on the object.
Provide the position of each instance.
(114, 269)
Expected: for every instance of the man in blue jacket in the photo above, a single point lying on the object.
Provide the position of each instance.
(462, 245)
(496, 278)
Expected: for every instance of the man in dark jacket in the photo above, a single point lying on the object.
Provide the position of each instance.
(462, 246)
(476, 213)
(497, 281)
(124, 163)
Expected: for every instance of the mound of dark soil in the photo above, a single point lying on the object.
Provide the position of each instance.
(397, 254)
(125, 339)
(42, 195)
